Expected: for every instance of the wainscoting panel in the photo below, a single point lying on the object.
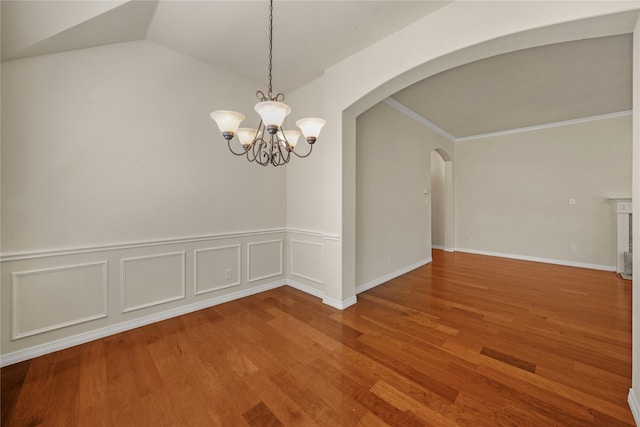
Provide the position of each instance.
(52, 298)
(264, 260)
(152, 280)
(58, 298)
(217, 268)
(306, 260)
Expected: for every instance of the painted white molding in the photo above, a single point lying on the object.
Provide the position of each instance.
(42, 349)
(420, 119)
(305, 288)
(417, 117)
(546, 126)
(437, 247)
(340, 305)
(280, 272)
(331, 237)
(319, 234)
(16, 333)
(633, 405)
(196, 277)
(306, 232)
(123, 268)
(16, 256)
(390, 276)
(538, 259)
(292, 264)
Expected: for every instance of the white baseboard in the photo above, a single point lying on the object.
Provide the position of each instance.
(387, 277)
(50, 347)
(305, 288)
(443, 248)
(538, 259)
(635, 406)
(340, 305)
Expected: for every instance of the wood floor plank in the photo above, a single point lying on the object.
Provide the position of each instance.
(468, 340)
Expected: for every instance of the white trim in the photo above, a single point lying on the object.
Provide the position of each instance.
(305, 288)
(331, 237)
(123, 281)
(437, 247)
(305, 232)
(545, 126)
(292, 264)
(633, 405)
(267, 276)
(16, 256)
(340, 305)
(390, 276)
(50, 347)
(226, 285)
(538, 259)
(15, 294)
(417, 117)
(319, 234)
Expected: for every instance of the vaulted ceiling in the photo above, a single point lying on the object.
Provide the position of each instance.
(530, 87)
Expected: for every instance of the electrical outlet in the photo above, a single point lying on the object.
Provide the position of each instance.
(469, 238)
(389, 258)
(227, 273)
(572, 248)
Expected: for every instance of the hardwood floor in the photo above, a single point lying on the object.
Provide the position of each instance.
(468, 340)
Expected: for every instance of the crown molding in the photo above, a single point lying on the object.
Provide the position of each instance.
(417, 117)
(546, 126)
(420, 119)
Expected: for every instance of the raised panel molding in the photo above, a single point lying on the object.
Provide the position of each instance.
(306, 260)
(213, 265)
(264, 260)
(152, 280)
(52, 298)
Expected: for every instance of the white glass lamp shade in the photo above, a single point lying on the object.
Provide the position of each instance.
(292, 137)
(310, 127)
(246, 135)
(227, 121)
(272, 112)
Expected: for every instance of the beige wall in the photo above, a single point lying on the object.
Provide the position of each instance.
(512, 191)
(121, 204)
(114, 144)
(393, 168)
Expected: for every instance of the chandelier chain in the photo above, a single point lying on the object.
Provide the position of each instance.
(270, 45)
(269, 144)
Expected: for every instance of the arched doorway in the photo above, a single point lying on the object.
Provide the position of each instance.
(441, 198)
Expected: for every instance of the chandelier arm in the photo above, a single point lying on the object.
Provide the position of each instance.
(260, 96)
(260, 154)
(278, 154)
(286, 159)
(304, 155)
(237, 154)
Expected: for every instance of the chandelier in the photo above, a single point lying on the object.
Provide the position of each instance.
(276, 145)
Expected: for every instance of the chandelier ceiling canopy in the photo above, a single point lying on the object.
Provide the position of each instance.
(269, 143)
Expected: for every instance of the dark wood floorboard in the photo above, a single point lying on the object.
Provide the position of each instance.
(468, 340)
